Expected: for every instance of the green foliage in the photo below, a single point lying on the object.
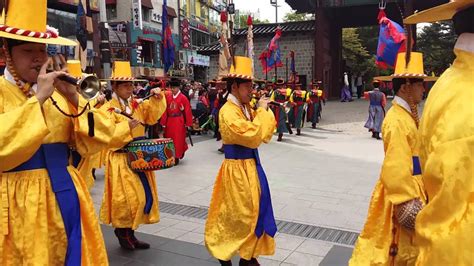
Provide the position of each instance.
(436, 42)
(243, 21)
(293, 16)
(357, 58)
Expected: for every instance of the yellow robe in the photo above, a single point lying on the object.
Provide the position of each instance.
(445, 227)
(234, 206)
(124, 196)
(32, 229)
(395, 185)
(88, 163)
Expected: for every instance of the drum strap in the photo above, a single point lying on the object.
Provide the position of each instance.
(266, 221)
(54, 157)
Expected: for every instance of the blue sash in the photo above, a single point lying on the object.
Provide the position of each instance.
(266, 221)
(54, 157)
(416, 165)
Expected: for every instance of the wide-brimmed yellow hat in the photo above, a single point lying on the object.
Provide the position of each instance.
(415, 68)
(74, 68)
(241, 68)
(26, 21)
(441, 12)
(122, 71)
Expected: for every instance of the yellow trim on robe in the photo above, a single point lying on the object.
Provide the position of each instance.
(445, 227)
(32, 229)
(233, 211)
(124, 199)
(395, 185)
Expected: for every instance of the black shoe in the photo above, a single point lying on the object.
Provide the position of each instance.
(221, 150)
(176, 161)
(125, 238)
(313, 126)
(377, 135)
(280, 136)
(288, 126)
(298, 132)
(225, 262)
(139, 244)
(252, 262)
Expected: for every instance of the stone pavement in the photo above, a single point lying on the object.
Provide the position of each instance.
(320, 180)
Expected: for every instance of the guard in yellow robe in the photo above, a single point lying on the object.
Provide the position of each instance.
(388, 234)
(240, 215)
(87, 164)
(445, 226)
(130, 198)
(47, 215)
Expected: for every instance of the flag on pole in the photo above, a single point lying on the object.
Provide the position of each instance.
(168, 45)
(250, 52)
(270, 57)
(392, 40)
(224, 53)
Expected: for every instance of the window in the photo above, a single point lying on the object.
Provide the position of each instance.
(146, 14)
(184, 8)
(148, 51)
(199, 38)
(111, 12)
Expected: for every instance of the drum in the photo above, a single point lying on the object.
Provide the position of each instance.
(150, 154)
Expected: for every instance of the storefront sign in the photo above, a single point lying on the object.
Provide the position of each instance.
(137, 14)
(197, 25)
(198, 59)
(155, 16)
(185, 34)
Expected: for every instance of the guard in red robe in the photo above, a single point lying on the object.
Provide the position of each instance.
(177, 119)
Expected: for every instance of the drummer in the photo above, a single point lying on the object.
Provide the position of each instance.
(47, 216)
(130, 198)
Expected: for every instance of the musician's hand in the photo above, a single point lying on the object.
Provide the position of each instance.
(101, 98)
(156, 92)
(46, 82)
(133, 123)
(263, 102)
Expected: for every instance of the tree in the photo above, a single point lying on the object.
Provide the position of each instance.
(243, 21)
(436, 42)
(357, 58)
(369, 37)
(293, 16)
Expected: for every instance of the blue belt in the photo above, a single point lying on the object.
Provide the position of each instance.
(416, 165)
(54, 157)
(266, 221)
(146, 186)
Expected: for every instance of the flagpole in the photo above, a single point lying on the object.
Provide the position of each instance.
(266, 69)
(286, 71)
(103, 18)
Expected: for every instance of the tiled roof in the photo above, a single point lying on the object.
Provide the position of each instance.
(213, 47)
(270, 28)
(263, 29)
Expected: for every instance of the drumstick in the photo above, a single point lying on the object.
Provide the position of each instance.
(118, 111)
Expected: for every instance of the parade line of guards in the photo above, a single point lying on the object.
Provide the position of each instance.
(51, 138)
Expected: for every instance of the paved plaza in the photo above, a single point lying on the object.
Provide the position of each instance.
(320, 182)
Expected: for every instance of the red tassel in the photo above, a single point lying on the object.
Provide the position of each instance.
(381, 15)
(249, 20)
(223, 16)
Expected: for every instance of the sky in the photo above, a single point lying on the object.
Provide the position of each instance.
(267, 11)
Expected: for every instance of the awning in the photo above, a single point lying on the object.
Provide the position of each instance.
(110, 2)
(147, 4)
(140, 38)
(171, 12)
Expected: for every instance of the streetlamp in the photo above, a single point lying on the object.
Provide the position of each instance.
(275, 4)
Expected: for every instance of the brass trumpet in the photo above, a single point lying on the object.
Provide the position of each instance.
(88, 86)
